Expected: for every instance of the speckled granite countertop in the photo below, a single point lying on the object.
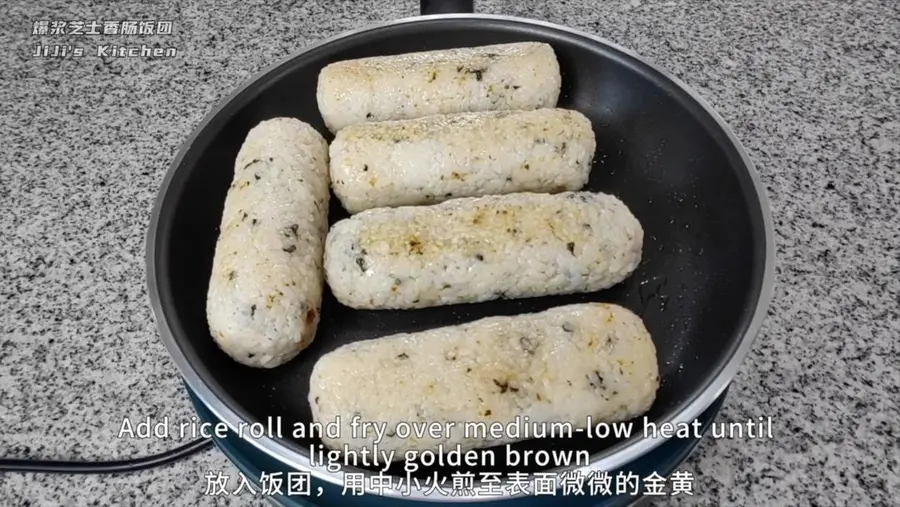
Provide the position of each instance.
(811, 89)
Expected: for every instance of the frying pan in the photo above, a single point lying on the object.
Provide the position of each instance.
(702, 288)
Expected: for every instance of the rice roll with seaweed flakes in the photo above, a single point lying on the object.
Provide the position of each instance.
(265, 292)
(566, 364)
(476, 249)
(522, 75)
(436, 158)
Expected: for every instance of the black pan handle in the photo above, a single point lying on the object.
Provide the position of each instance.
(446, 7)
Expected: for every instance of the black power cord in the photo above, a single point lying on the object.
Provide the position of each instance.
(104, 467)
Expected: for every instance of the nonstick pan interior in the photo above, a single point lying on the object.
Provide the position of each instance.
(658, 150)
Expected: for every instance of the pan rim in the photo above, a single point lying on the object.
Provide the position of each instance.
(610, 459)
